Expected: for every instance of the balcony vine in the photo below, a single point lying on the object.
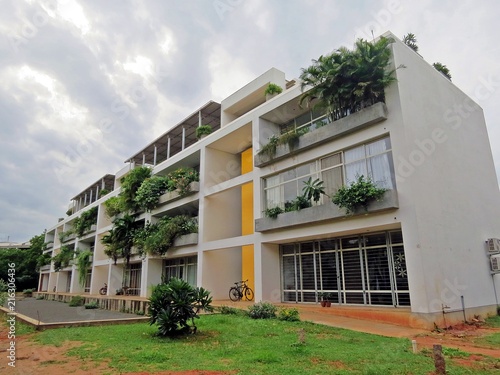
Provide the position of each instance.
(358, 194)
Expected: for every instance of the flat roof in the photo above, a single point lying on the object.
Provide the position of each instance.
(210, 115)
(109, 184)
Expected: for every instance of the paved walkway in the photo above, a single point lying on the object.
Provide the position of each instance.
(52, 313)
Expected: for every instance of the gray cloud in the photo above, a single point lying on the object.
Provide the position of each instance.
(75, 78)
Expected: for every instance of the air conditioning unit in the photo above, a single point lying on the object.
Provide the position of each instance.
(493, 245)
(495, 264)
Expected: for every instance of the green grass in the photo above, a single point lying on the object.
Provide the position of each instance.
(493, 321)
(237, 343)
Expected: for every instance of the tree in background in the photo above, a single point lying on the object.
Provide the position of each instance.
(27, 263)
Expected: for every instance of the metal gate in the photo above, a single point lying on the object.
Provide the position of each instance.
(365, 269)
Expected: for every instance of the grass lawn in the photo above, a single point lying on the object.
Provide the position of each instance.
(494, 339)
(245, 346)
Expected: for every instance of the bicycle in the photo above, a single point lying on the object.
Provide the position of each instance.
(240, 290)
(104, 290)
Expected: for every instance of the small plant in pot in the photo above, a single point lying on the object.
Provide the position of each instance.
(203, 130)
(325, 299)
(272, 89)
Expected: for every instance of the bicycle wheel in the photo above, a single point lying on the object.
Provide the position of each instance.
(234, 294)
(103, 291)
(248, 294)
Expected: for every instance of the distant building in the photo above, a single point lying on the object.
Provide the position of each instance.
(423, 247)
(15, 245)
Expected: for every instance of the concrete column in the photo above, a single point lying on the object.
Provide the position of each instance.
(199, 118)
(154, 156)
(168, 147)
(183, 137)
(151, 275)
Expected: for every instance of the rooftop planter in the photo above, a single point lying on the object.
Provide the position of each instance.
(324, 212)
(354, 122)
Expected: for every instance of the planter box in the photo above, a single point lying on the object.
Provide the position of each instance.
(187, 239)
(322, 213)
(45, 268)
(357, 121)
(171, 196)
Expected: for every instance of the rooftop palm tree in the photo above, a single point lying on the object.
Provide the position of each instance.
(411, 41)
(346, 81)
(443, 69)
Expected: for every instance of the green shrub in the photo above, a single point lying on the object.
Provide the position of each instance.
(262, 310)
(228, 310)
(91, 305)
(28, 292)
(203, 130)
(289, 315)
(358, 194)
(273, 88)
(40, 297)
(114, 206)
(76, 301)
(273, 212)
(176, 304)
(150, 191)
(297, 204)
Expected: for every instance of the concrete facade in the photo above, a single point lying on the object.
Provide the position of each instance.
(444, 200)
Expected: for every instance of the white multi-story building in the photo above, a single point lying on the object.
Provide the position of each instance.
(424, 247)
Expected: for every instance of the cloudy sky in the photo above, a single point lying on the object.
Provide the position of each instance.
(86, 84)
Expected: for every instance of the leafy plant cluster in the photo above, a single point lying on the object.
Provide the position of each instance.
(159, 237)
(83, 263)
(175, 305)
(289, 314)
(3, 291)
(203, 130)
(141, 191)
(346, 81)
(273, 88)
(91, 305)
(411, 41)
(119, 241)
(63, 258)
(357, 194)
(85, 221)
(262, 310)
(76, 301)
(290, 138)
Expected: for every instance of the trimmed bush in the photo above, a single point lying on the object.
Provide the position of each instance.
(91, 305)
(227, 310)
(76, 301)
(262, 310)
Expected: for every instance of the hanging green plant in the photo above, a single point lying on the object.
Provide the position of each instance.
(273, 212)
(83, 263)
(269, 149)
(63, 258)
(83, 223)
(358, 194)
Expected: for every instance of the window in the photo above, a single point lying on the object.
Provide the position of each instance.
(372, 159)
(311, 120)
(182, 268)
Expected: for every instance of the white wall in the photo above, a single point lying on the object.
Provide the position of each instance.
(448, 191)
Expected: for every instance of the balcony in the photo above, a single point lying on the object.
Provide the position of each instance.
(323, 213)
(186, 240)
(171, 196)
(45, 268)
(354, 122)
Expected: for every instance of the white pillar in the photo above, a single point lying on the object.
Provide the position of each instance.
(154, 156)
(168, 147)
(143, 158)
(183, 137)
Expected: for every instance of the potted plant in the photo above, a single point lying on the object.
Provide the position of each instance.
(358, 194)
(325, 299)
(202, 131)
(313, 189)
(272, 90)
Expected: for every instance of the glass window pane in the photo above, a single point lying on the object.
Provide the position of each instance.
(318, 112)
(354, 170)
(306, 169)
(381, 170)
(303, 119)
(378, 146)
(331, 161)
(332, 180)
(288, 175)
(354, 154)
(271, 181)
(290, 191)
(272, 197)
(289, 273)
